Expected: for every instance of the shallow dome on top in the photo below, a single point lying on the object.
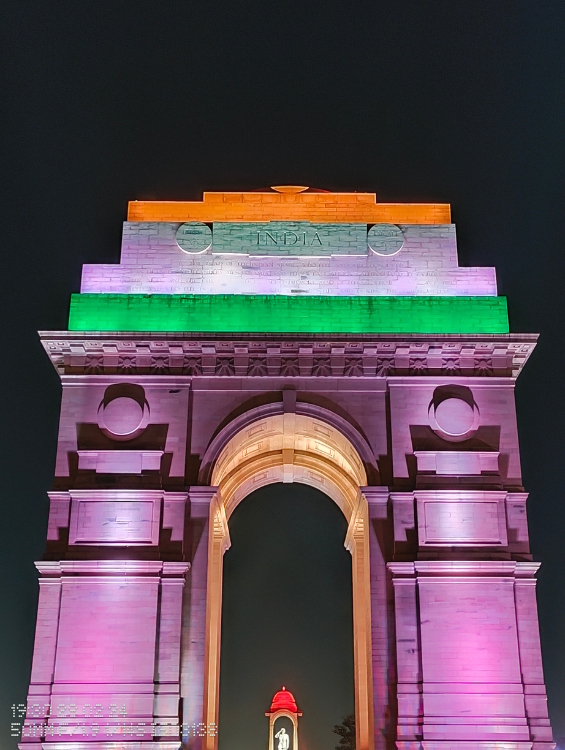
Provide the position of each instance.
(289, 189)
(283, 700)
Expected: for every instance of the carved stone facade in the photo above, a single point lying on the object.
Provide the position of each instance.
(259, 356)
(414, 436)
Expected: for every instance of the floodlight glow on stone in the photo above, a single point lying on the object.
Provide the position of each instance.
(443, 592)
(152, 263)
(287, 314)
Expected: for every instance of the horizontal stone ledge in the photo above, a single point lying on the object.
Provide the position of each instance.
(73, 744)
(462, 568)
(237, 313)
(288, 355)
(111, 567)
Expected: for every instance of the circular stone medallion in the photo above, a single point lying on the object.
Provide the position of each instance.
(385, 239)
(455, 417)
(194, 237)
(121, 417)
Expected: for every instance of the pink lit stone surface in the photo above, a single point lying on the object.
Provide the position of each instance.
(455, 643)
(412, 428)
(123, 416)
(194, 614)
(462, 518)
(97, 671)
(454, 416)
(114, 521)
(115, 619)
(153, 263)
(120, 645)
(80, 431)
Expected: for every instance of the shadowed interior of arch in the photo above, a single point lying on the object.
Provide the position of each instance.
(286, 616)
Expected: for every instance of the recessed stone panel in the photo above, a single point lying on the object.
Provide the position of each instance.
(468, 630)
(118, 520)
(464, 519)
(107, 631)
(287, 238)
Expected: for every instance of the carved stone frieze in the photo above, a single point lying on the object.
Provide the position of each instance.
(288, 356)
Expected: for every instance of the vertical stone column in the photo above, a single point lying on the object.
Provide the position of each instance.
(357, 542)
(271, 733)
(44, 650)
(167, 664)
(194, 631)
(408, 656)
(377, 499)
(530, 656)
(95, 653)
(470, 660)
(218, 543)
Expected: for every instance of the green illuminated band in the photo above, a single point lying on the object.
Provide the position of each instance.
(239, 313)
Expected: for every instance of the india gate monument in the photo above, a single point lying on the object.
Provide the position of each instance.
(277, 336)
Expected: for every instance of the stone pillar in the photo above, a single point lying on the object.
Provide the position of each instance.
(530, 656)
(408, 656)
(167, 663)
(218, 543)
(106, 656)
(44, 650)
(377, 499)
(357, 542)
(468, 656)
(194, 629)
(470, 660)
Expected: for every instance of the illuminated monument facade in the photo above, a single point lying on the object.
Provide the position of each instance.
(287, 335)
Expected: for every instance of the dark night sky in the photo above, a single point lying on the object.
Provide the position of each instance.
(461, 102)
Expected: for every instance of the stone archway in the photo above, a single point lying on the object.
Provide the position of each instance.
(288, 448)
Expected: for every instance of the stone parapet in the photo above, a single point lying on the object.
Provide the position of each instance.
(269, 206)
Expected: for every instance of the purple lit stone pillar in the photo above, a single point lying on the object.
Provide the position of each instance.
(377, 499)
(167, 666)
(530, 657)
(193, 666)
(473, 696)
(104, 689)
(107, 654)
(469, 663)
(408, 657)
(45, 646)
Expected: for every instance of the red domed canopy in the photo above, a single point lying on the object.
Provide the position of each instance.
(283, 700)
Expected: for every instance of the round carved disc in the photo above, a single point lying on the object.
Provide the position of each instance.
(455, 416)
(122, 416)
(194, 237)
(385, 239)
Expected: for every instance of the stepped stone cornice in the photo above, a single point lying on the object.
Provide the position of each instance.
(288, 355)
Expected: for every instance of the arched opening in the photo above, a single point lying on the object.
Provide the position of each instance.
(292, 448)
(287, 617)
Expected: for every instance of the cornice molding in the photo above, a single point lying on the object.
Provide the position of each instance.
(78, 353)
(461, 569)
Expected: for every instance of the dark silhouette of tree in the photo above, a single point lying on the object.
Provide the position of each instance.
(346, 732)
